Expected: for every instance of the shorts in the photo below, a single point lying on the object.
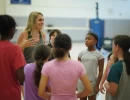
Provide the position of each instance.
(80, 87)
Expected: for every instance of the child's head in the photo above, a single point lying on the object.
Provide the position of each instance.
(112, 59)
(121, 43)
(120, 48)
(62, 45)
(41, 55)
(91, 40)
(7, 27)
(109, 55)
(53, 34)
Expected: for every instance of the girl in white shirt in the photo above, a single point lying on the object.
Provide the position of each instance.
(92, 60)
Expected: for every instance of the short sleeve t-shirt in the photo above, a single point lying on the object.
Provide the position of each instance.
(115, 72)
(11, 59)
(30, 89)
(63, 77)
(90, 61)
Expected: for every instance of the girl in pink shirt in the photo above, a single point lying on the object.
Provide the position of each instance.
(63, 74)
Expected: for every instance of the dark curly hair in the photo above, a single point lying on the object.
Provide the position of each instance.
(6, 24)
(96, 37)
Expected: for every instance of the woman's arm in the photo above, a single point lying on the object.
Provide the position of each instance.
(101, 65)
(42, 87)
(111, 87)
(104, 77)
(87, 87)
(22, 90)
(20, 75)
(79, 59)
(24, 42)
(23, 35)
(49, 90)
(113, 79)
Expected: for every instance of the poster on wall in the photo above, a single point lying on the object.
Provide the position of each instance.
(20, 1)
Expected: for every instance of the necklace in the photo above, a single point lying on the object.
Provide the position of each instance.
(36, 37)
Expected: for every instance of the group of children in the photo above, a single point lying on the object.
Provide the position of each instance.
(58, 78)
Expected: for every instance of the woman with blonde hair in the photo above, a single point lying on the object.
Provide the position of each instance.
(32, 35)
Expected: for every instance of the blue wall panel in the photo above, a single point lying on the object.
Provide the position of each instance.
(20, 2)
(97, 26)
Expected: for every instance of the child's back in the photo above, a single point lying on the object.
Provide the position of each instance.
(11, 61)
(33, 73)
(30, 89)
(63, 77)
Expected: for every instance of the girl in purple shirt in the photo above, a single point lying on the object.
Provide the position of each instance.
(33, 73)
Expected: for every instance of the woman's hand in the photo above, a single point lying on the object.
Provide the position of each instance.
(27, 43)
(102, 89)
(96, 89)
(107, 85)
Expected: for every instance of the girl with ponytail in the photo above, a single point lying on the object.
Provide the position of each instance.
(33, 73)
(92, 60)
(63, 73)
(117, 85)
